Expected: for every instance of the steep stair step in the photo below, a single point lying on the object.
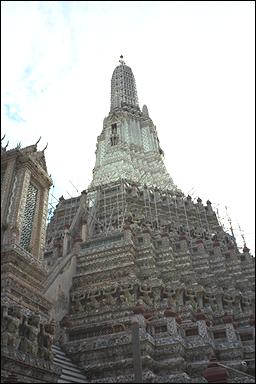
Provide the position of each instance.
(70, 373)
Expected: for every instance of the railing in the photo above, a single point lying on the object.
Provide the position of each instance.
(56, 270)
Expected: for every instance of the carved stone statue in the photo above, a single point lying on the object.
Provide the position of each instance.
(145, 294)
(108, 293)
(76, 299)
(93, 302)
(10, 330)
(24, 345)
(48, 339)
(45, 340)
(211, 298)
(228, 301)
(33, 330)
(191, 298)
(126, 296)
(171, 296)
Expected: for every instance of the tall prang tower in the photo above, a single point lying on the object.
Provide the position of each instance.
(128, 147)
(149, 285)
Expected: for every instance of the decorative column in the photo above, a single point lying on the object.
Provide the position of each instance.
(171, 322)
(230, 330)
(84, 230)
(65, 242)
(202, 326)
(138, 321)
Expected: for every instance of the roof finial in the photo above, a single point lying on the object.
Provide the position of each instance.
(230, 223)
(45, 147)
(38, 140)
(121, 60)
(242, 235)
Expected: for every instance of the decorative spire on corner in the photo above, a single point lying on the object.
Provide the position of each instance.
(45, 147)
(4, 148)
(242, 235)
(38, 140)
(230, 223)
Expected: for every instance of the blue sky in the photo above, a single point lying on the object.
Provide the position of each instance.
(194, 68)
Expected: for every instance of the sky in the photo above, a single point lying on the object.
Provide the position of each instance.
(194, 65)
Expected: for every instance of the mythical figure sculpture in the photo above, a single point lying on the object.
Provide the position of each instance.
(45, 340)
(228, 301)
(108, 293)
(33, 330)
(24, 345)
(145, 294)
(190, 295)
(93, 302)
(170, 293)
(77, 297)
(126, 296)
(28, 331)
(11, 323)
(211, 298)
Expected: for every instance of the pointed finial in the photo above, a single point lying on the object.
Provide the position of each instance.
(38, 140)
(3, 137)
(45, 147)
(242, 235)
(121, 61)
(230, 223)
(6, 144)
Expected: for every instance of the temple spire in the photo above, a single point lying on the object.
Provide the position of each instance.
(123, 87)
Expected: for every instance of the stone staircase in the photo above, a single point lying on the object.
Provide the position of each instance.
(70, 372)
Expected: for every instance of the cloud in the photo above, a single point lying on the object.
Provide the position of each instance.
(12, 112)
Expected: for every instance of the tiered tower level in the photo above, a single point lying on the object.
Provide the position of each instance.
(133, 251)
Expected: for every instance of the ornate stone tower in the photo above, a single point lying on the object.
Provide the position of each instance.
(26, 330)
(128, 147)
(159, 287)
(24, 198)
